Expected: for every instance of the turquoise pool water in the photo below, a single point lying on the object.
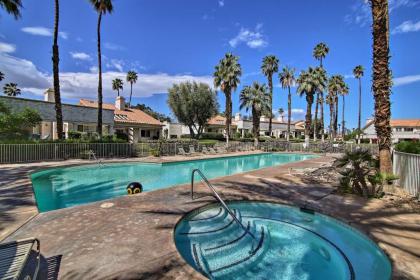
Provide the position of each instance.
(289, 244)
(64, 187)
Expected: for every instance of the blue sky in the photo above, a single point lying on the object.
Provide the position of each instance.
(170, 41)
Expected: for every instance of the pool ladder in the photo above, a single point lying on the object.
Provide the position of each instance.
(218, 198)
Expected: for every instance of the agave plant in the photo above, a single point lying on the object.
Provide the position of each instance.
(360, 173)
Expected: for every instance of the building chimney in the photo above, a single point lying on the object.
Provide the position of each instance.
(49, 95)
(120, 103)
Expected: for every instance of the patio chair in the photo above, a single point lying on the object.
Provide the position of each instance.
(15, 255)
(205, 150)
(213, 151)
(182, 152)
(192, 150)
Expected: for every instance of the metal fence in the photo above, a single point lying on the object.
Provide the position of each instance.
(21, 153)
(407, 168)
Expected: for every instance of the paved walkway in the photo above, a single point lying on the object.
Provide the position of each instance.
(132, 236)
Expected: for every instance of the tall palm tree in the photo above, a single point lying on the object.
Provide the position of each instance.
(344, 91)
(309, 83)
(117, 84)
(132, 79)
(287, 80)
(358, 73)
(12, 7)
(101, 7)
(270, 65)
(336, 87)
(382, 81)
(320, 52)
(1, 76)
(226, 77)
(11, 89)
(56, 77)
(256, 98)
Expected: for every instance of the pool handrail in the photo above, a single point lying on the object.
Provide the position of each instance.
(218, 198)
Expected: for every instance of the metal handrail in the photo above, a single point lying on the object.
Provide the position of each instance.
(218, 198)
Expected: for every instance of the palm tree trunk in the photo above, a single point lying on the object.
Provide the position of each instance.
(270, 85)
(289, 113)
(332, 135)
(336, 117)
(316, 116)
(99, 125)
(255, 126)
(321, 104)
(382, 81)
(228, 113)
(360, 111)
(343, 122)
(131, 94)
(56, 60)
(309, 101)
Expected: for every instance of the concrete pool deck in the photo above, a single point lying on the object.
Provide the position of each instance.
(132, 236)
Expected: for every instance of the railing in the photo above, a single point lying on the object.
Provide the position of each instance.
(218, 198)
(21, 153)
(407, 168)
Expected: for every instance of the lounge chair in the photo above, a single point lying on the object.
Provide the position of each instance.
(182, 152)
(205, 150)
(14, 256)
(212, 150)
(192, 150)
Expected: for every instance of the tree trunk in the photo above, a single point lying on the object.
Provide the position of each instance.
(289, 113)
(343, 122)
(131, 94)
(99, 125)
(270, 86)
(309, 101)
(56, 60)
(336, 117)
(228, 113)
(332, 135)
(382, 81)
(255, 126)
(321, 103)
(316, 116)
(360, 112)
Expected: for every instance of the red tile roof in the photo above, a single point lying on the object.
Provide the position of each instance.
(130, 116)
(406, 123)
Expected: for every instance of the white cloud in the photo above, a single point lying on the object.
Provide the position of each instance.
(405, 80)
(407, 26)
(75, 85)
(42, 31)
(361, 13)
(80, 56)
(7, 48)
(113, 47)
(115, 64)
(94, 69)
(252, 38)
(221, 3)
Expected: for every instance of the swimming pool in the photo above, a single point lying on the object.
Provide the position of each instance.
(289, 244)
(69, 186)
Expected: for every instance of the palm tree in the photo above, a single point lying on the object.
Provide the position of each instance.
(344, 91)
(270, 66)
(336, 87)
(1, 76)
(320, 52)
(12, 7)
(56, 77)
(382, 81)
(330, 100)
(226, 76)
(281, 113)
(287, 80)
(132, 79)
(358, 73)
(117, 84)
(101, 7)
(256, 98)
(11, 89)
(309, 83)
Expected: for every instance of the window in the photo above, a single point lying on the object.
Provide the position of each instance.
(398, 129)
(145, 133)
(408, 129)
(80, 127)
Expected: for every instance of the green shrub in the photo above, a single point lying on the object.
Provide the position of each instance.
(408, 147)
(213, 136)
(74, 135)
(208, 142)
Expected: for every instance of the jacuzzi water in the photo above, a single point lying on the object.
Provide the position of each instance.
(289, 244)
(70, 186)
